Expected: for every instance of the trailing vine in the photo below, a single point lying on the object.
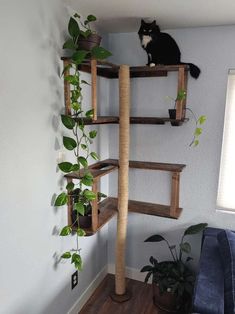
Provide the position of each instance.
(80, 140)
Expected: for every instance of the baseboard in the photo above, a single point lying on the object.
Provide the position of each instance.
(88, 292)
(131, 273)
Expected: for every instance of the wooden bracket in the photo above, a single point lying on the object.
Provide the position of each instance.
(175, 186)
(67, 89)
(182, 85)
(94, 87)
(95, 219)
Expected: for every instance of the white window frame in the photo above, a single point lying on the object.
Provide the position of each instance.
(226, 186)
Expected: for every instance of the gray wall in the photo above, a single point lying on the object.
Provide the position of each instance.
(31, 98)
(212, 49)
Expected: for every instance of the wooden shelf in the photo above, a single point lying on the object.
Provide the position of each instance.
(109, 70)
(133, 120)
(148, 165)
(97, 170)
(108, 209)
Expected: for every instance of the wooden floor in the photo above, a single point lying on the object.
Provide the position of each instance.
(140, 303)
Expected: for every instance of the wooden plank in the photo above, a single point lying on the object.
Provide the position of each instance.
(133, 120)
(70, 205)
(149, 165)
(140, 303)
(142, 208)
(175, 181)
(94, 205)
(94, 88)
(100, 170)
(110, 70)
(153, 209)
(67, 99)
(108, 209)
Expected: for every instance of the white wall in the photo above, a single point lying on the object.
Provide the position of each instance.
(31, 98)
(212, 49)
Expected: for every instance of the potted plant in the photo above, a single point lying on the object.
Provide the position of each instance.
(82, 37)
(198, 120)
(83, 220)
(173, 280)
(79, 143)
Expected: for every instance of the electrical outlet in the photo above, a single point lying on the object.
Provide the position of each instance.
(74, 279)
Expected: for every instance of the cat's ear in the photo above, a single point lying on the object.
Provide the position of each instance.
(142, 22)
(154, 23)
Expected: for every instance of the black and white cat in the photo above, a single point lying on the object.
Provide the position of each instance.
(161, 48)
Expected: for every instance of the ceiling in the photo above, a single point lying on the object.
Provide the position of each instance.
(124, 15)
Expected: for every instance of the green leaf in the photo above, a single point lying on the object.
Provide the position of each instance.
(90, 113)
(94, 156)
(76, 106)
(181, 94)
(195, 229)
(66, 255)
(79, 207)
(69, 143)
(92, 134)
(83, 161)
(61, 199)
(72, 79)
(69, 44)
(73, 28)
(83, 146)
(85, 82)
(66, 231)
(77, 261)
(76, 167)
(100, 53)
(81, 232)
(70, 186)
(65, 166)
(155, 238)
(87, 181)
(91, 18)
(195, 143)
(146, 268)
(89, 195)
(79, 56)
(198, 132)
(185, 247)
(202, 119)
(68, 121)
(66, 68)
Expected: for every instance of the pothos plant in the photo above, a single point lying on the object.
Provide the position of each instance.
(199, 121)
(79, 142)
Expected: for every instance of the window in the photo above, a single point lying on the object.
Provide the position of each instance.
(226, 187)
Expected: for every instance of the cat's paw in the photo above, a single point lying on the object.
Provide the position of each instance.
(152, 65)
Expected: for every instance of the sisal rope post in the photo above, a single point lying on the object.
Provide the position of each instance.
(121, 294)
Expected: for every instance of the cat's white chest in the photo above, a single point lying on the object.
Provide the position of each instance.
(145, 40)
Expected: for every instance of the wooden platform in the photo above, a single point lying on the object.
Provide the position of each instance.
(133, 120)
(140, 303)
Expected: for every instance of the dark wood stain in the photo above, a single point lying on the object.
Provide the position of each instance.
(140, 302)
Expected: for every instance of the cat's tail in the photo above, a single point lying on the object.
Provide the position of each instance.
(193, 69)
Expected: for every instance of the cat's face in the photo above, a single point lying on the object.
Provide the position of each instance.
(147, 29)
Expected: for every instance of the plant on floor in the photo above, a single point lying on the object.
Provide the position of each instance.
(79, 142)
(198, 120)
(173, 277)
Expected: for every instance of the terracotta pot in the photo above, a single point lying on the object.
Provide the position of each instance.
(166, 301)
(90, 42)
